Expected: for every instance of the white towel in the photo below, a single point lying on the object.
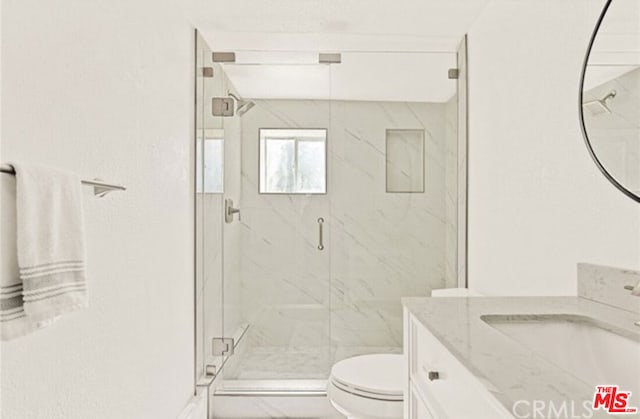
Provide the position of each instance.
(50, 251)
(13, 319)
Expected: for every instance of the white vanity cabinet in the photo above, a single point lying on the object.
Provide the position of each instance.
(437, 385)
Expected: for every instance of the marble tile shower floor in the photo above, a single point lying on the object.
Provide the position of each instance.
(278, 363)
(269, 363)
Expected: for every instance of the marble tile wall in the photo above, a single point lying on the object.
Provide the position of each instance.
(209, 274)
(462, 162)
(379, 246)
(451, 193)
(232, 232)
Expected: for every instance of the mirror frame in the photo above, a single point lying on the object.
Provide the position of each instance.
(592, 152)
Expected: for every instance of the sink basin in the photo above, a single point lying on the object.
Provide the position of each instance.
(594, 352)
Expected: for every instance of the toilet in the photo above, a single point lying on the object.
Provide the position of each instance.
(367, 386)
(370, 386)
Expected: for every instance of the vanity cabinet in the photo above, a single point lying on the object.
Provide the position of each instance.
(437, 385)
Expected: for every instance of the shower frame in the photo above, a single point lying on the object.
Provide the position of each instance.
(206, 374)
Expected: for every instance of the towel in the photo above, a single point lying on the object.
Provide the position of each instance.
(50, 251)
(13, 320)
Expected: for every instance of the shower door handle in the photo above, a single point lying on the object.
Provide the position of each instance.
(320, 238)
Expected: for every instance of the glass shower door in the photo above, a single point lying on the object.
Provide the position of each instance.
(394, 196)
(208, 213)
(276, 249)
(343, 190)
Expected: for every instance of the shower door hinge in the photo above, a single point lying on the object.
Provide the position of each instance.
(222, 346)
(223, 57)
(210, 370)
(222, 106)
(329, 58)
(453, 73)
(207, 72)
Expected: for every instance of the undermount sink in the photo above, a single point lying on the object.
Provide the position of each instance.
(594, 352)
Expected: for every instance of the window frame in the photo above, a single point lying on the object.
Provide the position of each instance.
(296, 140)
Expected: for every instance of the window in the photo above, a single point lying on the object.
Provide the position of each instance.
(210, 170)
(293, 161)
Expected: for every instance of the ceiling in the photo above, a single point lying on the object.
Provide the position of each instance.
(391, 50)
(426, 18)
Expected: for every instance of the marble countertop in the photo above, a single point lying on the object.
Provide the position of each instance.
(511, 371)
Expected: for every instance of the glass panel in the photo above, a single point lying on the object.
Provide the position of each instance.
(208, 201)
(315, 255)
(398, 135)
(276, 279)
(311, 176)
(211, 156)
(279, 165)
(199, 273)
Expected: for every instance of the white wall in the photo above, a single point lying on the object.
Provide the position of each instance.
(537, 203)
(106, 89)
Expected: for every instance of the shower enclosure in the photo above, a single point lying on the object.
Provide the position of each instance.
(329, 185)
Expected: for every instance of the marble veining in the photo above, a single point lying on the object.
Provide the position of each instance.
(513, 372)
(452, 193)
(378, 246)
(606, 285)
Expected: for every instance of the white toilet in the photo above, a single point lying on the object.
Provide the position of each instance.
(367, 386)
(370, 386)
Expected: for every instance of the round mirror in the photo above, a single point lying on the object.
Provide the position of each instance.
(610, 95)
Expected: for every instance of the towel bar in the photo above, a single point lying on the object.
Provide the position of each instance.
(100, 188)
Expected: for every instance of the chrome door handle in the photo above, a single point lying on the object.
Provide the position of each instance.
(229, 210)
(320, 238)
(433, 375)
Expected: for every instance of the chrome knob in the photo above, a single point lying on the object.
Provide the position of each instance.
(433, 375)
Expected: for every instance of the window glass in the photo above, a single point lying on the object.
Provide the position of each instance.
(293, 161)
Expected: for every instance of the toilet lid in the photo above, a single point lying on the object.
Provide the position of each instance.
(378, 374)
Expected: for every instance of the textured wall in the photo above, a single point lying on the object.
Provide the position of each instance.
(106, 89)
(537, 203)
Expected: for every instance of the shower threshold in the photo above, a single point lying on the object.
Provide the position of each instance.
(272, 388)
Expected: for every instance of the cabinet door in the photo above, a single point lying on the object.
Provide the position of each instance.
(417, 407)
(441, 381)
